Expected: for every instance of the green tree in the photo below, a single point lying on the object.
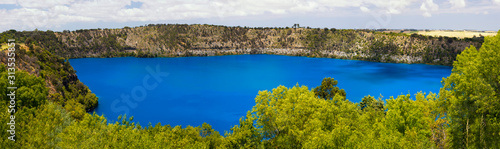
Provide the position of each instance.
(328, 89)
(35, 127)
(471, 95)
(287, 117)
(410, 119)
(31, 90)
(244, 135)
(371, 102)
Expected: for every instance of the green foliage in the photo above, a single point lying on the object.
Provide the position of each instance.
(369, 102)
(297, 118)
(94, 132)
(31, 90)
(471, 95)
(57, 75)
(380, 47)
(35, 127)
(328, 89)
(244, 135)
(316, 39)
(410, 118)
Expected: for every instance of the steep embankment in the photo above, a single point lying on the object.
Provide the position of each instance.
(207, 40)
(58, 75)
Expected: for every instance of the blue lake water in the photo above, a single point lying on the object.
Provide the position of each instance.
(221, 89)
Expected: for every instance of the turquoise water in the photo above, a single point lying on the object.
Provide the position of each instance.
(221, 89)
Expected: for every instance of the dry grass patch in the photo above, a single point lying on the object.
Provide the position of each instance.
(457, 33)
(5, 46)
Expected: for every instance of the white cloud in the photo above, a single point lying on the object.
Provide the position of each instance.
(457, 3)
(391, 6)
(364, 9)
(425, 10)
(497, 2)
(7, 2)
(427, 7)
(44, 4)
(53, 13)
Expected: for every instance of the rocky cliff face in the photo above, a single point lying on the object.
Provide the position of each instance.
(207, 40)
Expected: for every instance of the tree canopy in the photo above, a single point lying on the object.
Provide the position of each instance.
(328, 89)
(471, 96)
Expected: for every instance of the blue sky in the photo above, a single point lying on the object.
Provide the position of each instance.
(61, 15)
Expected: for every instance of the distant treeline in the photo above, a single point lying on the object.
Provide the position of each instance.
(173, 40)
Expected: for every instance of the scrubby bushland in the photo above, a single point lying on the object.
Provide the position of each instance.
(204, 40)
(57, 75)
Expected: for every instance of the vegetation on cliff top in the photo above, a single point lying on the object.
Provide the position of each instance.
(204, 40)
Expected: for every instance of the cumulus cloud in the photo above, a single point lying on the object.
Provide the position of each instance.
(457, 3)
(33, 14)
(44, 4)
(497, 2)
(7, 2)
(427, 7)
(53, 13)
(364, 9)
(392, 6)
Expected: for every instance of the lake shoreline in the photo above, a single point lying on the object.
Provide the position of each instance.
(386, 58)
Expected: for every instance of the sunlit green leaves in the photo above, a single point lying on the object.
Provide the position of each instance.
(471, 95)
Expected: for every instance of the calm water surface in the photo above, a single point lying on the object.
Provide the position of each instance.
(221, 89)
